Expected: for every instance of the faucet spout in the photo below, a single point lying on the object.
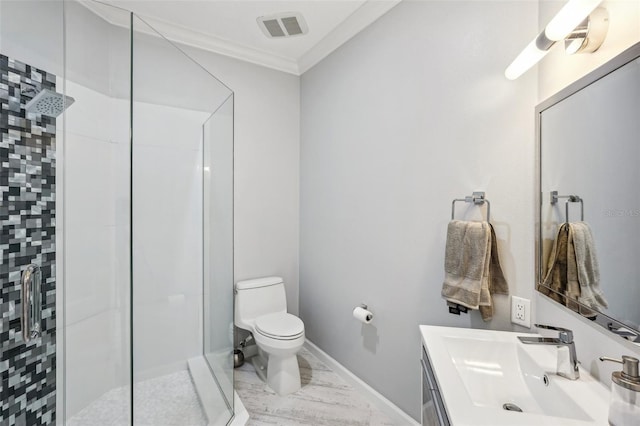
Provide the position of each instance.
(567, 366)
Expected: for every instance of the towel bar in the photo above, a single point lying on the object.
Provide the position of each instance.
(570, 199)
(476, 198)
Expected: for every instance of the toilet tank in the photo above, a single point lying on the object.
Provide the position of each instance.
(258, 297)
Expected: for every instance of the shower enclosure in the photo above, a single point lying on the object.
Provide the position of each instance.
(116, 222)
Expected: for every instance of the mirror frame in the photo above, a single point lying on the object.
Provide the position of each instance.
(632, 53)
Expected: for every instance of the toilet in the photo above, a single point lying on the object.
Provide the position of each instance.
(261, 308)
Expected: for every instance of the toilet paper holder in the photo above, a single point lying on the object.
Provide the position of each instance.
(362, 313)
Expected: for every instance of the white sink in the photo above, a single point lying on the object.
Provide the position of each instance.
(479, 371)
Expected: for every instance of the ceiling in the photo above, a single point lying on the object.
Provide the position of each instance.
(229, 27)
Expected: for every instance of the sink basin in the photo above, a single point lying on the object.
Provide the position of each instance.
(480, 372)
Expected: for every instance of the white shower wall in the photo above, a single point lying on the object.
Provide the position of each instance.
(167, 237)
(96, 243)
(167, 227)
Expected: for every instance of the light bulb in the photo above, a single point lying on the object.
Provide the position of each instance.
(525, 60)
(568, 18)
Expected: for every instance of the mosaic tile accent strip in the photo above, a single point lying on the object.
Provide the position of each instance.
(27, 235)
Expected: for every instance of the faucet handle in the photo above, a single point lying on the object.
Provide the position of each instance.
(565, 335)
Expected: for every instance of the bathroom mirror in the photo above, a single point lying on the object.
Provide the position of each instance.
(589, 170)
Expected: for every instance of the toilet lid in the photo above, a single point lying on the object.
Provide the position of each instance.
(280, 325)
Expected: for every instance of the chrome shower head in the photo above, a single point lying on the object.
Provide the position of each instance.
(48, 102)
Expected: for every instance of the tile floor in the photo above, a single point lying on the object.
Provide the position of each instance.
(169, 400)
(324, 399)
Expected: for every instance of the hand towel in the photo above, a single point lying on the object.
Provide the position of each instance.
(587, 268)
(572, 291)
(554, 283)
(472, 267)
(496, 276)
(465, 263)
(561, 280)
(497, 282)
(572, 270)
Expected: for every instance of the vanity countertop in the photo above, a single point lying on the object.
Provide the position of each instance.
(477, 371)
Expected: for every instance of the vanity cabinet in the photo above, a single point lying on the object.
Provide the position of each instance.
(433, 411)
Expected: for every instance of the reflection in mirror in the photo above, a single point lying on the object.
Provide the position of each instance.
(589, 218)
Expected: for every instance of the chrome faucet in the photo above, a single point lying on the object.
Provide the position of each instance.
(567, 367)
(623, 332)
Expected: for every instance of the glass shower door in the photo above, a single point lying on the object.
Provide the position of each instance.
(64, 178)
(116, 223)
(218, 246)
(174, 103)
(97, 197)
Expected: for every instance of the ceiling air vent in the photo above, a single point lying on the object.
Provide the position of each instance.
(283, 25)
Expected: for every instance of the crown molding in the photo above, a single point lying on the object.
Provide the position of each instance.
(185, 36)
(223, 47)
(362, 17)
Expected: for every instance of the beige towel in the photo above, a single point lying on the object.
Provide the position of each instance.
(465, 261)
(554, 283)
(587, 268)
(472, 267)
(573, 291)
(561, 281)
(572, 269)
(497, 282)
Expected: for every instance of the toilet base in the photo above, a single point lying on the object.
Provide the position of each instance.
(283, 374)
(260, 365)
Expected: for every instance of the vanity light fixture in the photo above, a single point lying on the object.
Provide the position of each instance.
(579, 23)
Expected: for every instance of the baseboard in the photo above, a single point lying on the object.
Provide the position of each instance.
(374, 397)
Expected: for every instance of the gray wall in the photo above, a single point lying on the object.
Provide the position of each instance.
(411, 113)
(266, 150)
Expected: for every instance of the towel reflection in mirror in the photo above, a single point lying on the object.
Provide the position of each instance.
(573, 274)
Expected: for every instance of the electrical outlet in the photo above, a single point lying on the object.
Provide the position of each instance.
(521, 311)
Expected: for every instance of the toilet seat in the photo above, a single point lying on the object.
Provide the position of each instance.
(280, 326)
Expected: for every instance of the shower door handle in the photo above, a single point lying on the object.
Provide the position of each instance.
(31, 284)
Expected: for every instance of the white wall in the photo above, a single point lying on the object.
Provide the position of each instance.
(93, 178)
(167, 241)
(556, 71)
(408, 115)
(96, 242)
(167, 238)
